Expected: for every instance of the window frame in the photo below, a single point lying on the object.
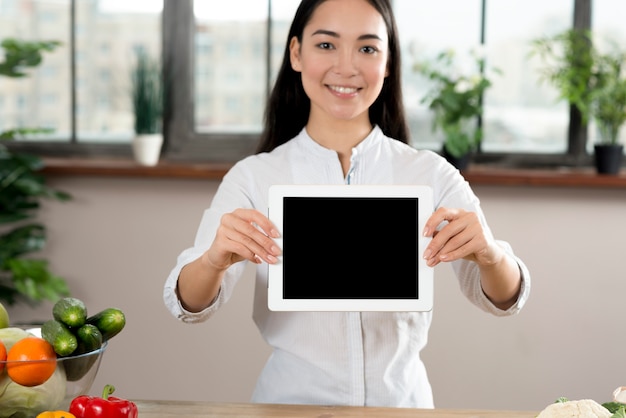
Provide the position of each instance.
(183, 144)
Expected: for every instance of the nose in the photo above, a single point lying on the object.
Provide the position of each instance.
(345, 64)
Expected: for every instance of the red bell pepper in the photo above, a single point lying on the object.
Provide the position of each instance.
(105, 407)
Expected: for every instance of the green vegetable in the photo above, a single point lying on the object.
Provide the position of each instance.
(616, 408)
(89, 339)
(70, 311)
(109, 321)
(21, 401)
(59, 335)
(620, 413)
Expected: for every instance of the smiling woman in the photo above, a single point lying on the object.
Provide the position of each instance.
(335, 116)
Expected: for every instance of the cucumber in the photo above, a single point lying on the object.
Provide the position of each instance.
(89, 339)
(109, 321)
(58, 334)
(70, 311)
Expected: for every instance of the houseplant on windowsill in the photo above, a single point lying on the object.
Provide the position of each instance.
(24, 278)
(609, 112)
(456, 100)
(591, 82)
(147, 100)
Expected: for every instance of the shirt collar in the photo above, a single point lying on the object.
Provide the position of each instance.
(374, 137)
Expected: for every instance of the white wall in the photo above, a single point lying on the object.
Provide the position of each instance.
(117, 240)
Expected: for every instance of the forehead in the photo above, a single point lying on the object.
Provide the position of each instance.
(347, 18)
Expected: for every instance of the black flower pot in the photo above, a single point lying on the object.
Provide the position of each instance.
(608, 158)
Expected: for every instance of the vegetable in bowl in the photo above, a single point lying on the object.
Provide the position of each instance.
(19, 401)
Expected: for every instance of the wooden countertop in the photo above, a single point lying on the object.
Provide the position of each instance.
(190, 409)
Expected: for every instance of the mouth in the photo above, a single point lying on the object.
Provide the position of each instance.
(343, 89)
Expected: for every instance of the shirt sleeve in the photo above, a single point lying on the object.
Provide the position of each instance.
(455, 192)
(229, 196)
(469, 280)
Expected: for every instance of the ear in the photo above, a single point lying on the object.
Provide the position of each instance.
(294, 54)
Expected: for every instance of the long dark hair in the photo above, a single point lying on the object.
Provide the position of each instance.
(288, 106)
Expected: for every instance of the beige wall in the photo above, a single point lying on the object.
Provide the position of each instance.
(117, 240)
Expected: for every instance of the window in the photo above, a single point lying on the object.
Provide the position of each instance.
(221, 59)
(233, 55)
(88, 76)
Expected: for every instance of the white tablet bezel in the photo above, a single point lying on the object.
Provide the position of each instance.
(276, 302)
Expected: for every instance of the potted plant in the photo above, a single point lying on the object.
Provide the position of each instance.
(609, 112)
(456, 100)
(147, 101)
(24, 278)
(593, 83)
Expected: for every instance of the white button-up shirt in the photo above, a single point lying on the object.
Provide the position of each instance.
(338, 358)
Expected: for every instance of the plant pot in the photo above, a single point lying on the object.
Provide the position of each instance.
(608, 158)
(147, 148)
(460, 163)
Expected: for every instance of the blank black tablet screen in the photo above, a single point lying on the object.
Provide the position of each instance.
(350, 248)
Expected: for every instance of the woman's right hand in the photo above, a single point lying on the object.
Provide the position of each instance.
(244, 234)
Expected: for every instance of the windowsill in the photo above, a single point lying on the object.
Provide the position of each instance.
(476, 174)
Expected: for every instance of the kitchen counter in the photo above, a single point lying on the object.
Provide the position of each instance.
(190, 409)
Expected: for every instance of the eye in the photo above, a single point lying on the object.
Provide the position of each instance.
(369, 49)
(325, 45)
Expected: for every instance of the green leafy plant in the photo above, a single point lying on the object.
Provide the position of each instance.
(456, 100)
(147, 94)
(568, 64)
(22, 187)
(609, 97)
(593, 82)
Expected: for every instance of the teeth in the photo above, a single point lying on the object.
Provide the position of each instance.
(345, 90)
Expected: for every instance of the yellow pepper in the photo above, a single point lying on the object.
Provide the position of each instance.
(55, 414)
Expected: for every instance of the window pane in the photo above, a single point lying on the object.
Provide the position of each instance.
(282, 14)
(231, 78)
(521, 113)
(108, 32)
(230, 70)
(42, 98)
(427, 28)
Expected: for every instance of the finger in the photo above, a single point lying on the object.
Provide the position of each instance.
(248, 238)
(460, 239)
(261, 221)
(450, 242)
(233, 246)
(440, 238)
(437, 218)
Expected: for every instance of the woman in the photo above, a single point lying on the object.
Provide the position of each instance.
(335, 116)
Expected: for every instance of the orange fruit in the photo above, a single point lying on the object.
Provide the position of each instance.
(3, 355)
(31, 361)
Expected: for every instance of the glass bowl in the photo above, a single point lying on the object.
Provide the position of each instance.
(73, 376)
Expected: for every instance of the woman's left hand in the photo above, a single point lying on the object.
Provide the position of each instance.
(461, 236)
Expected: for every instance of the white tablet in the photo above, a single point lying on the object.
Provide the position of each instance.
(350, 248)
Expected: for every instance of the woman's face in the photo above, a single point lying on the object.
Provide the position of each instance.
(342, 59)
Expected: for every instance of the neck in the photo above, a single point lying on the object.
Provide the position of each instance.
(340, 136)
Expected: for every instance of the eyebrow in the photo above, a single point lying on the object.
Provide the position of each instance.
(336, 35)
